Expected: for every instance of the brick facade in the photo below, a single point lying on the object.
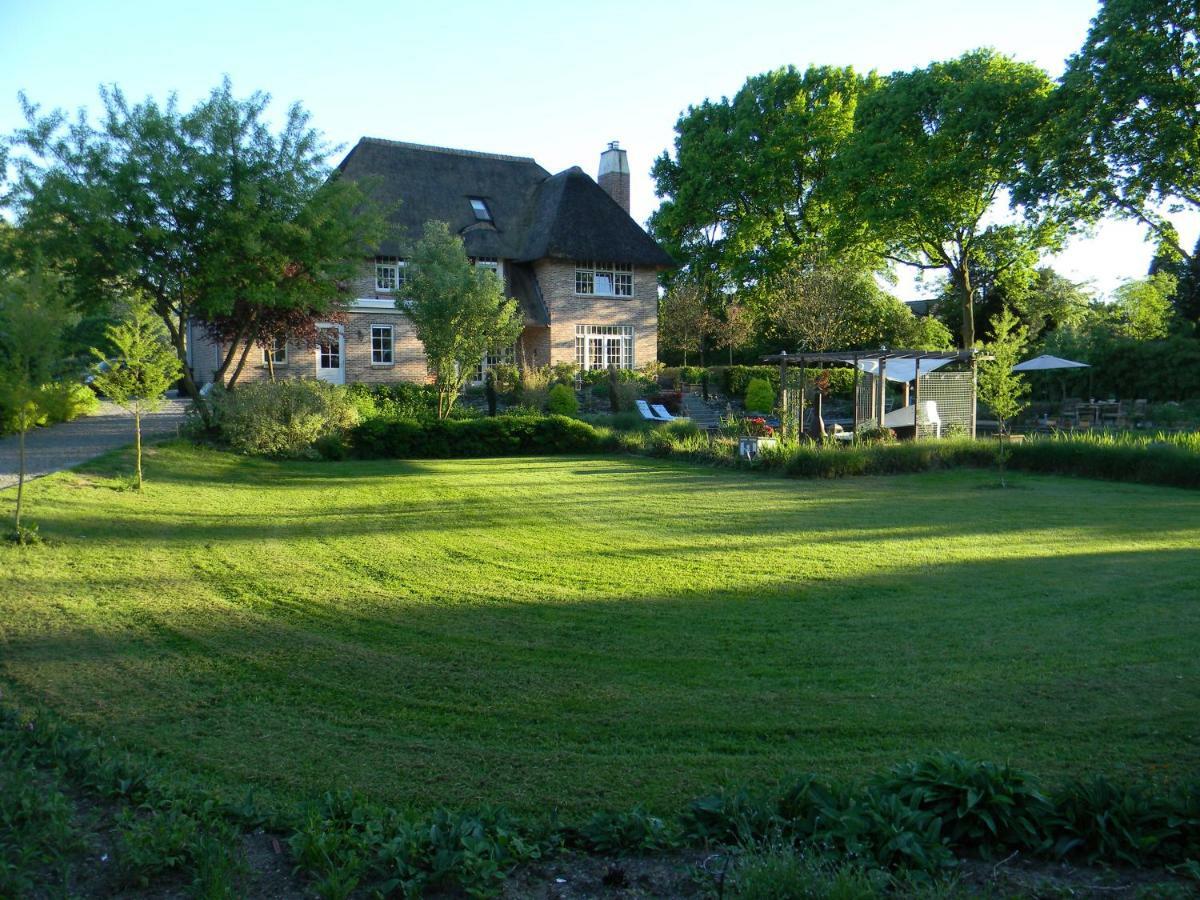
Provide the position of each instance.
(538, 345)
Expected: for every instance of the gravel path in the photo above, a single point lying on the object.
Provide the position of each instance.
(62, 446)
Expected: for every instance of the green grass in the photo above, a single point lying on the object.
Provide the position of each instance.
(579, 633)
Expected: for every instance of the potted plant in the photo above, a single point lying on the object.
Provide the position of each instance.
(757, 435)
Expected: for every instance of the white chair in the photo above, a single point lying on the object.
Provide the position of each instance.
(907, 416)
(929, 412)
(644, 409)
(665, 414)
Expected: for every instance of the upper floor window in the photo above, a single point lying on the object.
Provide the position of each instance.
(480, 208)
(389, 273)
(487, 262)
(604, 279)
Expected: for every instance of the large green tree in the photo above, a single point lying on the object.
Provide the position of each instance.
(199, 211)
(933, 163)
(458, 310)
(1129, 114)
(747, 192)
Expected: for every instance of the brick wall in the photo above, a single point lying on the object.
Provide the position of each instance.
(568, 309)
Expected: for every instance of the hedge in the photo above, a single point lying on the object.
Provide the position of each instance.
(449, 438)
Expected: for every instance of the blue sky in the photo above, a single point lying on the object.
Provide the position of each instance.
(550, 80)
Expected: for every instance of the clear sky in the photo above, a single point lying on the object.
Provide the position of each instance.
(551, 80)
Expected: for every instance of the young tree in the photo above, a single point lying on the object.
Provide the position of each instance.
(685, 321)
(1129, 117)
(204, 212)
(736, 328)
(144, 367)
(459, 312)
(1002, 390)
(771, 149)
(821, 309)
(32, 317)
(934, 154)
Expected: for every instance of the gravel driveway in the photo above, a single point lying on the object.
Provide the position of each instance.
(62, 446)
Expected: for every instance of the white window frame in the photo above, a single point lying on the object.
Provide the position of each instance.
(506, 356)
(389, 274)
(490, 263)
(376, 353)
(604, 279)
(609, 340)
(278, 352)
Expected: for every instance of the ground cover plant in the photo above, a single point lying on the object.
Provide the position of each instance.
(579, 633)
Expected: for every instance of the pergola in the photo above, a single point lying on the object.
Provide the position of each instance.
(920, 371)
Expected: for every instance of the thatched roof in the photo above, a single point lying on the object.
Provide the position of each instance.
(534, 215)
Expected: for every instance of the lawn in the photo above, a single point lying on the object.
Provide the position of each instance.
(573, 633)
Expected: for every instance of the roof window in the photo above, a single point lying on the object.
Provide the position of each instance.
(482, 213)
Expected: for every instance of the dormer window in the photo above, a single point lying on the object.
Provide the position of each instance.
(480, 207)
(389, 274)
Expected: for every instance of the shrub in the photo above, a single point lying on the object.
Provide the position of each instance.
(983, 807)
(561, 401)
(1100, 820)
(65, 400)
(400, 400)
(760, 396)
(634, 831)
(503, 435)
(284, 419)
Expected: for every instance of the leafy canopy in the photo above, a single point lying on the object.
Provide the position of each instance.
(459, 312)
(202, 212)
(1130, 113)
(935, 155)
(748, 190)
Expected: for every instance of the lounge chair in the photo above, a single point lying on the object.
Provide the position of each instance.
(907, 416)
(644, 409)
(665, 414)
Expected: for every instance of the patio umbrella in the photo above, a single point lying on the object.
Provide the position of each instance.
(1044, 362)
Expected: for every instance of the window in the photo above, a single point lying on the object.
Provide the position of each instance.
(492, 359)
(381, 345)
(601, 346)
(487, 262)
(278, 352)
(389, 273)
(604, 279)
(480, 207)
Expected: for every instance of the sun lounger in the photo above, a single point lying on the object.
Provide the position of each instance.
(664, 414)
(644, 409)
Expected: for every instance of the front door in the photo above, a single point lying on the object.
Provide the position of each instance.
(603, 351)
(331, 357)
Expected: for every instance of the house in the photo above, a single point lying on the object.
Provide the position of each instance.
(584, 272)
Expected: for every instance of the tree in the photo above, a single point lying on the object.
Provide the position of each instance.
(1000, 389)
(684, 319)
(266, 326)
(736, 328)
(1144, 307)
(773, 145)
(1130, 114)
(459, 312)
(144, 367)
(206, 213)
(934, 154)
(32, 317)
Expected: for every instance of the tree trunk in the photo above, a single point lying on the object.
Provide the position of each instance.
(270, 353)
(241, 364)
(189, 383)
(137, 441)
(968, 305)
(20, 477)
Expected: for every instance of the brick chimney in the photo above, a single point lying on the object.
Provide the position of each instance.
(614, 174)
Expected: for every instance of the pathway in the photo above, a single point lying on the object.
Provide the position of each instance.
(71, 443)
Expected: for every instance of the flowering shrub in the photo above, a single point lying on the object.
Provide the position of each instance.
(756, 426)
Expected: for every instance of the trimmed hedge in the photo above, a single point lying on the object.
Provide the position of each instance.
(462, 438)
